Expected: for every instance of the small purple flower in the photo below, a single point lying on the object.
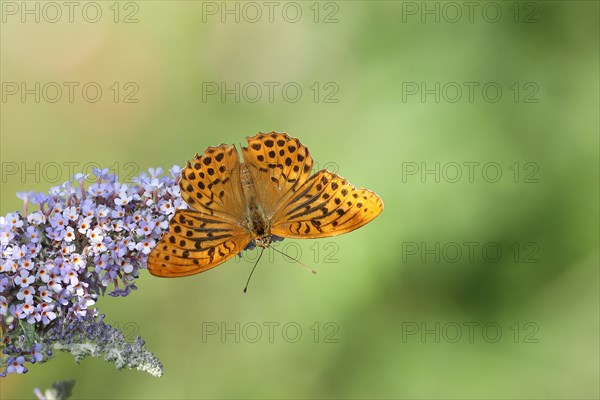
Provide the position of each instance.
(72, 278)
(45, 293)
(146, 246)
(25, 309)
(69, 234)
(83, 226)
(79, 177)
(16, 365)
(155, 172)
(99, 190)
(55, 235)
(23, 279)
(55, 285)
(6, 235)
(33, 249)
(19, 252)
(145, 228)
(36, 218)
(116, 225)
(43, 272)
(26, 294)
(32, 234)
(37, 352)
(71, 213)
(95, 235)
(103, 211)
(67, 248)
(175, 171)
(101, 173)
(25, 196)
(39, 198)
(34, 316)
(124, 198)
(47, 313)
(13, 220)
(88, 207)
(152, 185)
(57, 220)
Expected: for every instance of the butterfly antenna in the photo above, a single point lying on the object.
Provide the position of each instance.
(253, 268)
(298, 261)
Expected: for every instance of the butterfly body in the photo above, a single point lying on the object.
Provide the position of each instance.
(271, 192)
(256, 222)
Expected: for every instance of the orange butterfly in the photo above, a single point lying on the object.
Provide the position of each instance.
(236, 203)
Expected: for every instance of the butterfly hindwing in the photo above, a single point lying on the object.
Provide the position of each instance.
(195, 243)
(326, 205)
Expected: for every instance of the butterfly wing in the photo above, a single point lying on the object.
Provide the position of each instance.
(195, 243)
(326, 205)
(210, 233)
(211, 184)
(301, 206)
(278, 165)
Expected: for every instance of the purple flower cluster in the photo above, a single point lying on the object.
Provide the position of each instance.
(81, 243)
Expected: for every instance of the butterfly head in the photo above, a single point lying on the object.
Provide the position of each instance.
(263, 241)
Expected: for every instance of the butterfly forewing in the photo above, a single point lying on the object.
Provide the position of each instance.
(326, 205)
(211, 184)
(279, 165)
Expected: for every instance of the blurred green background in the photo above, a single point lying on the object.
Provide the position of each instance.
(394, 302)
